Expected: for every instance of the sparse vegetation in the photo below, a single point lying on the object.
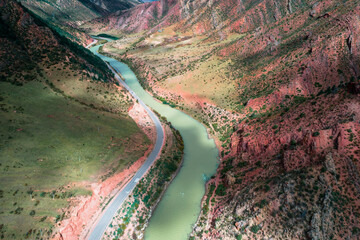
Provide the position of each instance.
(149, 189)
(61, 125)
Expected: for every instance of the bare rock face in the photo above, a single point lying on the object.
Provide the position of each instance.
(195, 14)
(321, 222)
(186, 8)
(316, 232)
(329, 163)
(314, 9)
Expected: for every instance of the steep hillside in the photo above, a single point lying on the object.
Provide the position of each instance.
(199, 17)
(140, 18)
(65, 135)
(75, 11)
(66, 15)
(277, 83)
(113, 6)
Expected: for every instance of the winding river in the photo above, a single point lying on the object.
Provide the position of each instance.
(180, 206)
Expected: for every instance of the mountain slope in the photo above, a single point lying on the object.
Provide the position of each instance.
(76, 10)
(140, 18)
(277, 84)
(200, 17)
(113, 6)
(65, 15)
(64, 128)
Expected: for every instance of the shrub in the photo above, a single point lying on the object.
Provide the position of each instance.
(255, 228)
(242, 164)
(58, 217)
(262, 203)
(220, 190)
(315, 134)
(238, 181)
(18, 210)
(351, 138)
(355, 230)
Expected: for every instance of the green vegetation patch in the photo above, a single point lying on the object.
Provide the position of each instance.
(104, 35)
(49, 141)
(150, 188)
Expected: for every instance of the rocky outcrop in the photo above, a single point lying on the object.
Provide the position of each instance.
(289, 168)
(296, 183)
(321, 222)
(295, 143)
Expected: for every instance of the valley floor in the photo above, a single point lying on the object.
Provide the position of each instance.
(289, 166)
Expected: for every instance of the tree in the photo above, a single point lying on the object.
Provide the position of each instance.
(30, 192)
(53, 194)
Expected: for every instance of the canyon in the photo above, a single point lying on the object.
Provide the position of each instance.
(276, 84)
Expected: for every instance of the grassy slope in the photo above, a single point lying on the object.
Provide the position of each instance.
(180, 69)
(59, 17)
(184, 65)
(49, 141)
(62, 127)
(66, 11)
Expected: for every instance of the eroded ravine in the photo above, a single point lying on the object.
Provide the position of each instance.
(180, 205)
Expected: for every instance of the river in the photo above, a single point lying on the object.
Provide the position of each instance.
(180, 205)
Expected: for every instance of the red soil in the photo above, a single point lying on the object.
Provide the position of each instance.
(85, 210)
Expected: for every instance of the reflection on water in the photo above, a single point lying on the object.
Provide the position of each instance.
(180, 206)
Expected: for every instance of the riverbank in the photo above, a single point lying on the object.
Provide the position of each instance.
(85, 210)
(213, 126)
(134, 215)
(181, 202)
(173, 150)
(146, 82)
(213, 118)
(102, 224)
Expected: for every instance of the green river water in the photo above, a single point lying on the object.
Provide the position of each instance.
(180, 206)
